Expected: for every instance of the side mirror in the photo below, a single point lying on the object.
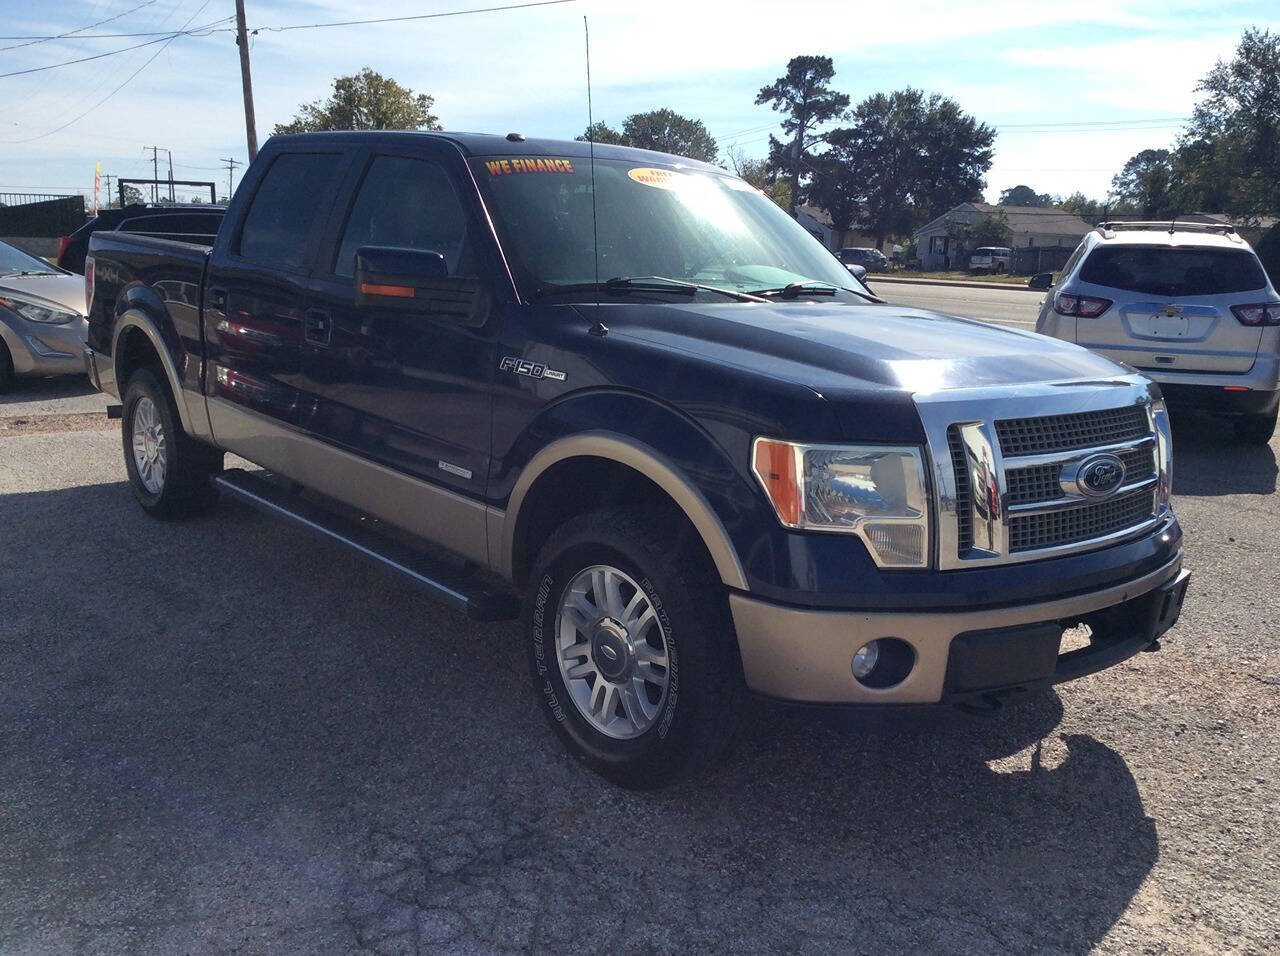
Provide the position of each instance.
(1041, 280)
(417, 280)
(859, 272)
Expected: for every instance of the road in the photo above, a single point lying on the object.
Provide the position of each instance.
(224, 736)
(1015, 307)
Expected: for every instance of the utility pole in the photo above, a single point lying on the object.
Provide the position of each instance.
(231, 168)
(108, 177)
(155, 169)
(170, 152)
(242, 41)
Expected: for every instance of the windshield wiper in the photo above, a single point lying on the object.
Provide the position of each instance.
(793, 290)
(29, 272)
(663, 284)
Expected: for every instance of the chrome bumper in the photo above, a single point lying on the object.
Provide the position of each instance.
(101, 371)
(805, 655)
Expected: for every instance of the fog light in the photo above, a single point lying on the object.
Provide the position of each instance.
(864, 661)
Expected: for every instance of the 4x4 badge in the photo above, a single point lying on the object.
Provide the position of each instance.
(532, 369)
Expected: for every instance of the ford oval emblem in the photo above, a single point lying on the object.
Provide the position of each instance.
(1095, 477)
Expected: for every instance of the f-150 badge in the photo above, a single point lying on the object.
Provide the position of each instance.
(530, 368)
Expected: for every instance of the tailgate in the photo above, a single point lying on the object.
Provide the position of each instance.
(1183, 336)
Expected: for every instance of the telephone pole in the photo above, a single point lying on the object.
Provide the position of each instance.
(170, 152)
(231, 168)
(108, 177)
(155, 169)
(242, 41)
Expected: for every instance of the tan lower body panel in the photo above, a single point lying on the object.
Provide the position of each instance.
(805, 655)
(428, 511)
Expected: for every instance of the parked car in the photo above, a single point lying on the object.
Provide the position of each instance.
(186, 223)
(873, 260)
(42, 318)
(693, 456)
(991, 259)
(1188, 304)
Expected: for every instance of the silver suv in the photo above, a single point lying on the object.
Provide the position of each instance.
(1187, 304)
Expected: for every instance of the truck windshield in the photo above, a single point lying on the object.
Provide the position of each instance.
(696, 227)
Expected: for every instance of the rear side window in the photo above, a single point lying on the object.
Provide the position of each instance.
(1160, 270)
(283, 213)
(410, 204)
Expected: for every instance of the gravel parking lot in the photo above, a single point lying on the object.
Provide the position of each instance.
(222, 735)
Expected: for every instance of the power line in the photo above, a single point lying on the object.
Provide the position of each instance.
(32, 41)
(98, 56)
(126, 82)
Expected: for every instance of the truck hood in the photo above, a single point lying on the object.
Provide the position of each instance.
(66, 291)
(835, 347)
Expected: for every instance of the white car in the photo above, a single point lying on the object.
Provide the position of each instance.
(1187, 304)
(42, 318)
(991, 259)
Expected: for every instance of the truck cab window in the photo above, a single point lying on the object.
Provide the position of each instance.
(411, 204)
(290, 197)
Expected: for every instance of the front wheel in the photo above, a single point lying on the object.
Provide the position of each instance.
(168, 470)
(631, 651)
(1256, 429)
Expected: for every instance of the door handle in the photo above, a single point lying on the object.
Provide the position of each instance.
(317, 327)
(218, 299)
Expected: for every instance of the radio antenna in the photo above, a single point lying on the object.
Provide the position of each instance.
(591, 151)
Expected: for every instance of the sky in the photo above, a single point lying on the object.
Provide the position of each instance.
(1073, 89)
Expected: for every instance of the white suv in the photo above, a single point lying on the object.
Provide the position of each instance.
(1187, 304)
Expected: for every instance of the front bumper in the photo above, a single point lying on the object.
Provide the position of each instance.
(801, 654)
(39, 348)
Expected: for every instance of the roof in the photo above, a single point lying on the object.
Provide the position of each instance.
(1035, 220)
(497, 144)
(1163, 237)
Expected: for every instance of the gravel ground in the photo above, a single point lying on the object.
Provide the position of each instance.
(224, 736)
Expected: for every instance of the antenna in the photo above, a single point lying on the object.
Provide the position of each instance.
(591, 151)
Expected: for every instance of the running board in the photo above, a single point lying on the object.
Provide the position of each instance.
(457, 587)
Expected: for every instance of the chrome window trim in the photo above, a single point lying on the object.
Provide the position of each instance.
(976, 411)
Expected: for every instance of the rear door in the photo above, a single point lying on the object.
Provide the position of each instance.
(407, 389)
(1171, 306)
(254, 298)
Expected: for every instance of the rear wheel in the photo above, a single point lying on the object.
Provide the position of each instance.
(631, 651)
(168, 470)
(1256, 429)
(7, 376)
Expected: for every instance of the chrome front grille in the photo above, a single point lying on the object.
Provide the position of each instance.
(1071, 525)
(1040, 482)
(1010, 488)
(1109, 426)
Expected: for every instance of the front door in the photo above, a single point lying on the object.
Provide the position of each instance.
(408, 390)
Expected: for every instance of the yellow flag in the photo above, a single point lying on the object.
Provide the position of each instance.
(97, 185)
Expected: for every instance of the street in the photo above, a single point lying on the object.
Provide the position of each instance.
(1014, 307)
(223, 735)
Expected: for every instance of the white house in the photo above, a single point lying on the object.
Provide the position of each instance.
(1046, 227)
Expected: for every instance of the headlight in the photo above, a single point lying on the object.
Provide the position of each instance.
(45, 312)
(877, 493)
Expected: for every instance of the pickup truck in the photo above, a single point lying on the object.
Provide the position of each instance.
(622, 397)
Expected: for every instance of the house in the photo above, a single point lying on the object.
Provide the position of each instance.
(1031, 227)
(817, 221)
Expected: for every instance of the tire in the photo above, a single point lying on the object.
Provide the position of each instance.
(7, 376)
(679, 615)
(1256, 429)
(169, 471)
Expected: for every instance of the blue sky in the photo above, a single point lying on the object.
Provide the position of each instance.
(1126, 69)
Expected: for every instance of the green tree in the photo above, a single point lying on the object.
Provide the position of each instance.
(132, 197)
(1078, 204)
(1021, 195)
(1228, 159)
(835, 182)
(989, 229)
(365, 100)
(760, 174)
(663, 130)
(917, 156)
(1146, 184)
(805, 96)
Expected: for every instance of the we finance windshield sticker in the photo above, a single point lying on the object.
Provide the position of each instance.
(515, 167)
(657, 178)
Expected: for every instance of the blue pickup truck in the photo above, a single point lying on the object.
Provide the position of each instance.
(622, 397)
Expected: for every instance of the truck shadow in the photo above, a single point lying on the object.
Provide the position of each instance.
(225, 710)
(1207, 459)
(46, 389)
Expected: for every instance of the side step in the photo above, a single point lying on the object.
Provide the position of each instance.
(456, 586)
